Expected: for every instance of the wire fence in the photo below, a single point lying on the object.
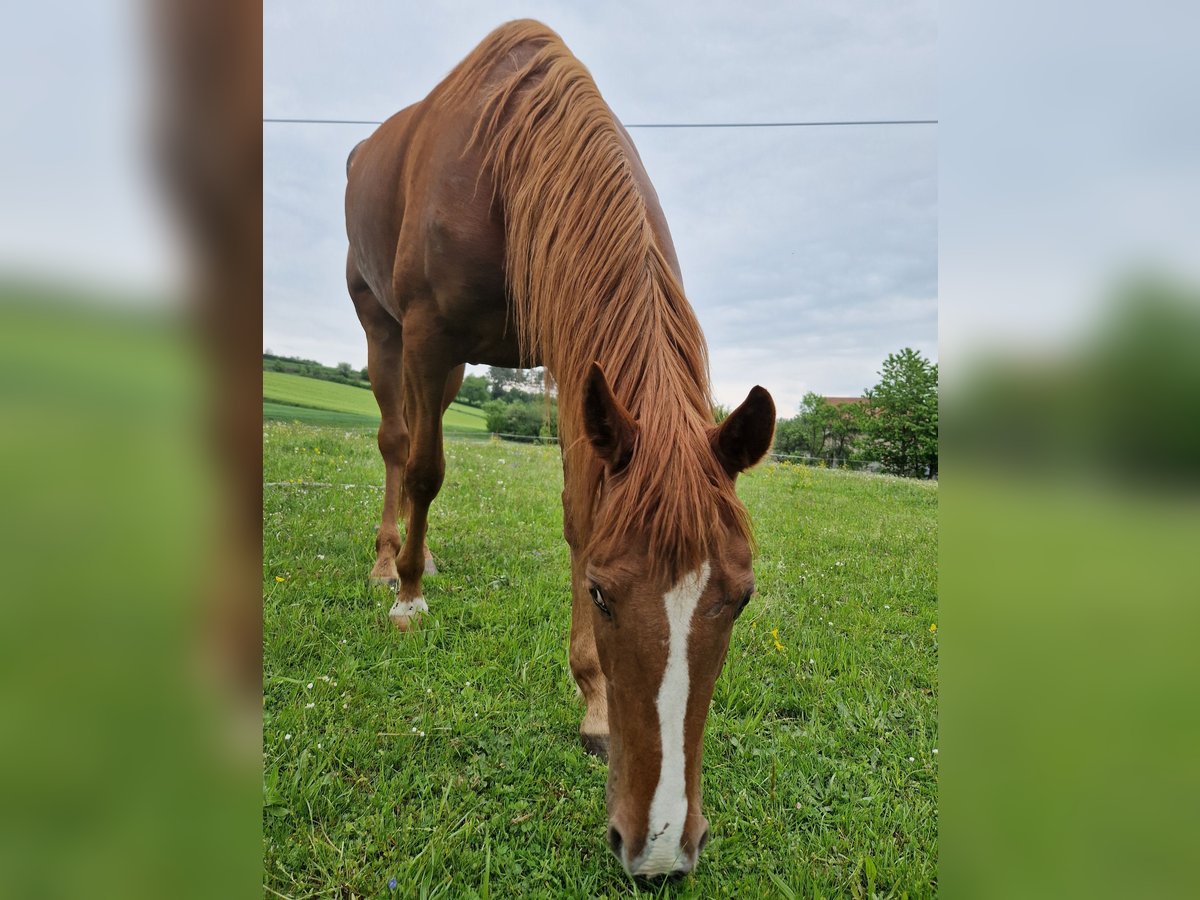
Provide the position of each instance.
(818, 462)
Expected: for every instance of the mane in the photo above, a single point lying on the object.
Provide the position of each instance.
(588, 281)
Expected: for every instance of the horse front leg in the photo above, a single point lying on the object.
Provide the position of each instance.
(584, 660)
(425, 382)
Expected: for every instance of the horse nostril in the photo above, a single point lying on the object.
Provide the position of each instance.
(614, 841)
(703, 841)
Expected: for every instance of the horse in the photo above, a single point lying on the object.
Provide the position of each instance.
(507, 220)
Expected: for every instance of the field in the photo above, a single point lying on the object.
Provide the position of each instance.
(448, 759)
(295, 398)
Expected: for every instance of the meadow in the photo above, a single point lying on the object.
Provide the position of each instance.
(295, 398)
(446, 762)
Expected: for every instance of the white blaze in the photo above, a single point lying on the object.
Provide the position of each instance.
(668, 809)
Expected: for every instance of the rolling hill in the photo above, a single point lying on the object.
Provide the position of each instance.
(297, 398)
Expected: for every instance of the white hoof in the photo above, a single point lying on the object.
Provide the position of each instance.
(403, 612)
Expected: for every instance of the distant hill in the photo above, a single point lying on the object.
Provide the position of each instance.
(299, 398)
(294, 365)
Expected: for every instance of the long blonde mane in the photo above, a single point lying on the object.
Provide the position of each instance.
(588, 281)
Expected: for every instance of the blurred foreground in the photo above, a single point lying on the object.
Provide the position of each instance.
(130, 285)
(126, 749)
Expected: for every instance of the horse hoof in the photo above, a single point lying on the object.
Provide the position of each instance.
(406, 613)
(595, 744)
(384, 581)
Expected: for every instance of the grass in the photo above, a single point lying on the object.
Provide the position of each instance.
(820, 774)
(297, 398)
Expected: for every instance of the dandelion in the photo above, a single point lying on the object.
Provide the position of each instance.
(414, 729)
(422, 734)
(428, 690)
(911, 759)
(287, 737)
(933, 628)
(343, 640)
(280, 578)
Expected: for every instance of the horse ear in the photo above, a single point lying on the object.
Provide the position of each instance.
(610, 428)
(745, 435)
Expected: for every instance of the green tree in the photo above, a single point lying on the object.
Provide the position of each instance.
(345, 370)
(901, 419)
(495, 411)
(474, 391)
(789, 438)
(809, 431)
(816, 422)
(363, 374)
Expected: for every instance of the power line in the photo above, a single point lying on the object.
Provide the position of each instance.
(813, 124)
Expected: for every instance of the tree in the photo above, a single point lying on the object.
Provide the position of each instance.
(789, 438)
(364, 374)
(816, 422)
(524, 418)
(345, 370)
(901, 419)
(474, 391)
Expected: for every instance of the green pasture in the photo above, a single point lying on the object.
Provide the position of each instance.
(293, 398)
(448, 758)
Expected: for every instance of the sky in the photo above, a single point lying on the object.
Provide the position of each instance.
(809, 254)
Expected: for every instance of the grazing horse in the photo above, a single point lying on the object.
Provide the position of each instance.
(506, 219)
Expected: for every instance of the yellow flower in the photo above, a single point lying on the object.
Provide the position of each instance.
(933, 629)
(280, 578)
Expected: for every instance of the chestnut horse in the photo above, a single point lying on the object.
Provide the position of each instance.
(506, 219)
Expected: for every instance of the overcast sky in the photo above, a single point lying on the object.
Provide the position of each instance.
(809, 254)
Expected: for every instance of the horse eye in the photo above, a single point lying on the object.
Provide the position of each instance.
(742, 603)
(598, 599)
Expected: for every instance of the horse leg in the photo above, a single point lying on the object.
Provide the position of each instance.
(585, 661)
(426, 381)
(384, 366)
(453, 383)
